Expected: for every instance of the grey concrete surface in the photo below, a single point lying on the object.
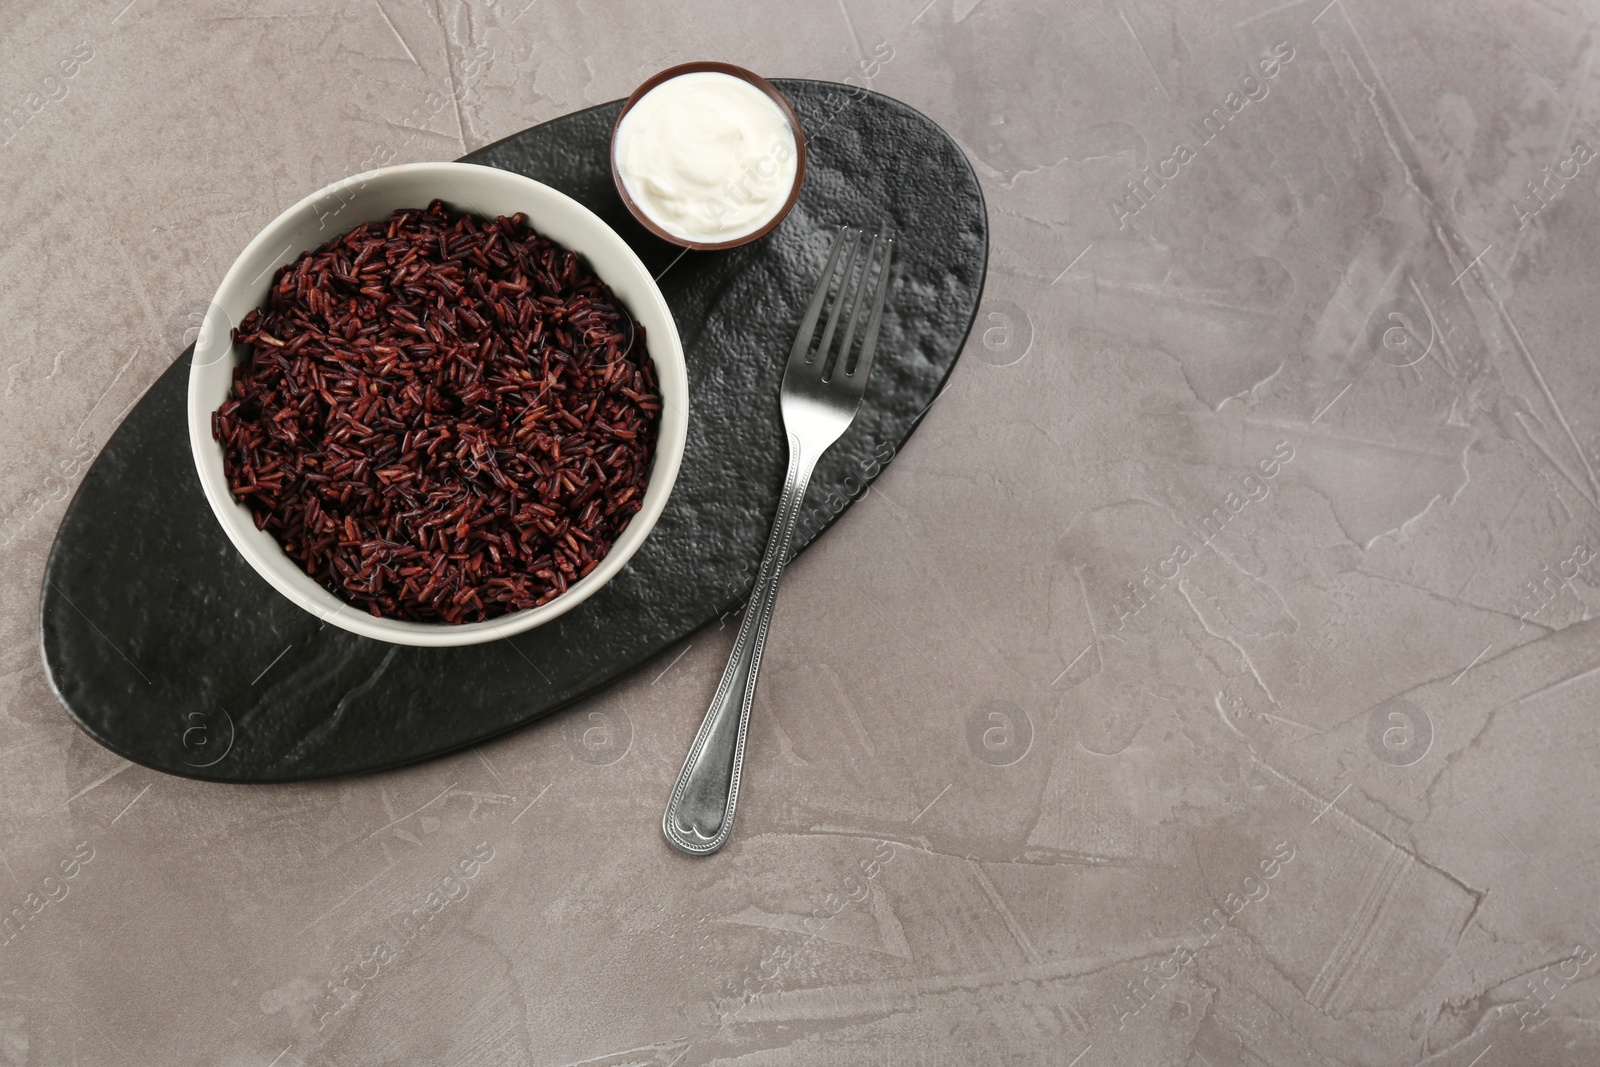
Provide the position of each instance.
(1211, 681)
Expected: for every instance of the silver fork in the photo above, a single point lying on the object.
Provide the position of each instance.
(822, 390)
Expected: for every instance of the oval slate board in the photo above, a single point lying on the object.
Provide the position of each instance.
(166, 647)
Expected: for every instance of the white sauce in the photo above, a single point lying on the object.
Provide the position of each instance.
(707, 156)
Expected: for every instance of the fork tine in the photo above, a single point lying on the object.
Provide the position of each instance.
(858, 301)
(869, 340)
(825, 346)
(808, 326)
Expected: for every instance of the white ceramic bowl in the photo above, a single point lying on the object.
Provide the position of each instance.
(373, 195)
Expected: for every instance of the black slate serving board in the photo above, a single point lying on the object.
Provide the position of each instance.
(164, 646)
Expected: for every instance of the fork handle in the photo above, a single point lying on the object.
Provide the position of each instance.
(699, 816)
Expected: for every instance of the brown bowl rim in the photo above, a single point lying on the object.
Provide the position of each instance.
(772, 92)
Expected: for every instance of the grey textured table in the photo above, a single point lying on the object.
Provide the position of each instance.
(1211, 681)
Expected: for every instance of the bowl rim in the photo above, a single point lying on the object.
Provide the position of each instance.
(299, 587)
(772, 92)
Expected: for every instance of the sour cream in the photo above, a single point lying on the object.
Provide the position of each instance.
(707, 156)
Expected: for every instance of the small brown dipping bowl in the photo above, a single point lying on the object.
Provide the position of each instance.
(772, 94)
